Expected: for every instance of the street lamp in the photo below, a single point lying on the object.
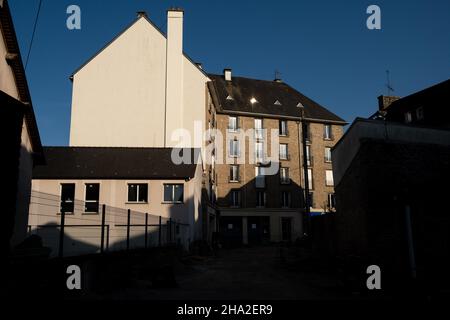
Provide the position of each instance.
(305, 170)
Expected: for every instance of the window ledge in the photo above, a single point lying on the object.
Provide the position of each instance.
(172, 202)
(136, 202)
(90, 213)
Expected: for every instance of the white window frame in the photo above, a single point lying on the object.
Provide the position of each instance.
(283, 204)
(283, 126)
(264, 198)
(327, 154)
(259, 152)
(91, 201)
(327, 133)
(60, 197)
(419, 113)
(259, 128)
(236, 126)
(310, 179)
(234, 193)
(232, 173)
(329, 182)
(408, 117)
(234, 146)
(284, 178)
(173, 192)
(260, 178)
(138, 185)
(284, 156)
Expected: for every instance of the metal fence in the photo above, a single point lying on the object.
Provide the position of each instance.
(85, 227)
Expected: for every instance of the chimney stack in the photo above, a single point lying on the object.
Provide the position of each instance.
(141, 14)
(174, 73)
(227, 74)
(385, 101)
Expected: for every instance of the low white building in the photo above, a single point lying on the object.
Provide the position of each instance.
(80, 180)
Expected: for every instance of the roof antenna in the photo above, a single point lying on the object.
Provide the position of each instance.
(388, 84)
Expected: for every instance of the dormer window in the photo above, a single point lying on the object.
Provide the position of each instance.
(300, 105)
(277, 103)
(229, 97)
(253, 100)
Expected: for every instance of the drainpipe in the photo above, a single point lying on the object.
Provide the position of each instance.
(409, 235)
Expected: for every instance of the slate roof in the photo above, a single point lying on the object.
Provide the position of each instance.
(113, 163)
(241, 90)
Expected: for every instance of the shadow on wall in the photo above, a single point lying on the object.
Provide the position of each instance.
(83, 231)
(286, 195)
(11, 115)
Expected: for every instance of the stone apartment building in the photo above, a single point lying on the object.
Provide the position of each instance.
(256, 207)
(141, 91)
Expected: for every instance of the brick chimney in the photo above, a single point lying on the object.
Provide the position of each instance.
(385, 101)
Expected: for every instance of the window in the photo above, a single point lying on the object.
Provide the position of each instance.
(283, 128)
(408, 117)
(277, 103)
(260, 198)
(284, 175)
(285, 199)
(331, 201)
(235, 198)
(308, 132)
(259, 134)
(259, 177)
(311, 199)
(327, 134)
(309, 161)
(67, 197)
(138, 192)
(92, 197)
(259, 152)
(327, 154)
(329, 177)
(284, 151)
(310, 179)
(232, 123)
(173, 193)
(419, 113)
(234, 173)
(234, 148)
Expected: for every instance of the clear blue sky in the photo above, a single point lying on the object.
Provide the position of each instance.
(322, 48)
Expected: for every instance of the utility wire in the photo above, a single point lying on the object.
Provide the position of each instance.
(32, 36)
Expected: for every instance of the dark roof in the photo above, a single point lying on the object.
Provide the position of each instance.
(241, 90)
(15, 61)
(430, 95)
(113, 163)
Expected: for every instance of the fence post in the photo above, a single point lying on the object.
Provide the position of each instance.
(128, 229)
(159, 232)
(102, 241)
(169, 227)
(61, 234)
(107, 237)
(146, 230)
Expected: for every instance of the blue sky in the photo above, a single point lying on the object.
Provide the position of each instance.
(322, 48)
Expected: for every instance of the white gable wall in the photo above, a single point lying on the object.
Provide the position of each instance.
(119, 97)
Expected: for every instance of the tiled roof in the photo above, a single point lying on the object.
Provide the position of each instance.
(272, 99)
(113, 163)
